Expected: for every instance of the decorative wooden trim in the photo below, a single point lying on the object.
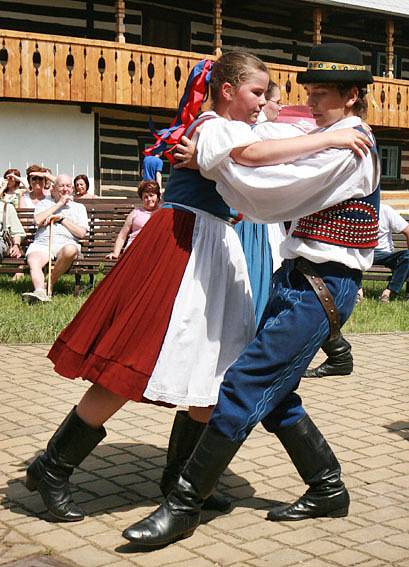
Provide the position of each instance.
(217, 25)
(119, 18)
(317, 20)
(390, 32)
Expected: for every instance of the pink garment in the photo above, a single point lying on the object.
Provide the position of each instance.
(297, 115)
(139, 218)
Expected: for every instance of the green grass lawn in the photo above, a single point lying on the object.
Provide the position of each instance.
(42, 322)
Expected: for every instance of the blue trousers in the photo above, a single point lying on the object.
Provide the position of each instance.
(261, 384)
(398, 262)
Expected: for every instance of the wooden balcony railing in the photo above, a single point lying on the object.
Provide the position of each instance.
(55, 68)
(388, 99)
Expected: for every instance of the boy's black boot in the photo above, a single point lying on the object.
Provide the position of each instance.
(339, 361)
(49, 473)
(178, 517)
(319, 468)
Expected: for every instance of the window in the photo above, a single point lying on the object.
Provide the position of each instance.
(380, 70)
(390, 159)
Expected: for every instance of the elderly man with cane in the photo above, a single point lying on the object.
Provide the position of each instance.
(61, 223)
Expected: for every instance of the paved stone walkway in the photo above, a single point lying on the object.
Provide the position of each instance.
(365, 417)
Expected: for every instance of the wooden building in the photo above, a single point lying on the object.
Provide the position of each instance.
(79, 79)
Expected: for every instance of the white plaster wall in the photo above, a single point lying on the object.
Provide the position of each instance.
(400, 7)
(56, 136)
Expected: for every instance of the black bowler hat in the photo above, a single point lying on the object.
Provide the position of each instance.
(335, 63)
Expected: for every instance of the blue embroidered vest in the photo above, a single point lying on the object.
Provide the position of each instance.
(353, 223)
(188, 187)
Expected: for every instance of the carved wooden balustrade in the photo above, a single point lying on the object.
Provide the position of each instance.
(56, 68)
(388, 99)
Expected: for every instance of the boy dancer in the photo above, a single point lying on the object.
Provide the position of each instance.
(313, 295)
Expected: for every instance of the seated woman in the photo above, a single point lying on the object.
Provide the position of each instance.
(10, 186)
(11, 231)
(81, 187)
(149, 192)
(36, 191)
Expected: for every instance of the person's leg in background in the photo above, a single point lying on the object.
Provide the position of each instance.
(398, 262)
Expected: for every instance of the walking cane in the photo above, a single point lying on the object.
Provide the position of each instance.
(49, 258)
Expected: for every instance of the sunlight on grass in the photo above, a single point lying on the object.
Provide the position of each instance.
(372, 316)
(38, 323)
(42, 322)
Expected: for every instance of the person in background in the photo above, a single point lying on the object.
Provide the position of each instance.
(10, 222)
(11, 186)
(152, 169)
(81, 187)
(49, 180)
(398, 261)
(273, 105)
(70, 223)
(36, 192)
(149, 193)
(258, 240)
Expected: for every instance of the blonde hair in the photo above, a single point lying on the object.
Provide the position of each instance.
(234, 67)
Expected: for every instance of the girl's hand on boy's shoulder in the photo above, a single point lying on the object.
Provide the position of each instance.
(185, 154)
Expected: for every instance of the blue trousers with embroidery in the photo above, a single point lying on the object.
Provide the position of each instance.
(398, 262)
(261, 384)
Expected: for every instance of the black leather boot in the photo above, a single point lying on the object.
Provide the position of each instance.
(339, 361)
(178, 517)
(185, 434)
(49, 473)
(319, 468)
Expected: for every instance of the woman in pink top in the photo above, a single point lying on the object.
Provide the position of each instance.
(149, 192)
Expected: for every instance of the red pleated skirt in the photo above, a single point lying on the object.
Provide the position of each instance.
(116, 337)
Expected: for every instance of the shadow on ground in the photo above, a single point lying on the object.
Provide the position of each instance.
(119, 477)
(401, 428)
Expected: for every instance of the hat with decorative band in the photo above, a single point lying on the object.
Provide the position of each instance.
(335, 63)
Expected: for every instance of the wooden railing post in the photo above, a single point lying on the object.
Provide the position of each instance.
(120, 17)
(317, 20)
(390, 31)
(217, 27)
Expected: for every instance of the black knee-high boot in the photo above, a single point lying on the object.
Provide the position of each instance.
(319, 468)
(339, 361)
(49, 473)
(179, 515)
(185, 434)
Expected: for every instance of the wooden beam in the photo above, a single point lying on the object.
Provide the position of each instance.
(390, 32)
(217, 27)
(119, 19)
(317, 19)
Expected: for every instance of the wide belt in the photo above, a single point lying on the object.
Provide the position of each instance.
(322, 292)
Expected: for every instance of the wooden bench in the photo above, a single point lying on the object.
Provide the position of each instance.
(382, 273)
(106, 218)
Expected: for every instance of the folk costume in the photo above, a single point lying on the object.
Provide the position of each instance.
(165, 291)
(166, 322)
(335, 197)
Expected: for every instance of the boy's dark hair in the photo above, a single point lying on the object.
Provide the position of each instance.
(360, 108)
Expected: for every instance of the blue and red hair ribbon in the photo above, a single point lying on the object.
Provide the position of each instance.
(189, 106)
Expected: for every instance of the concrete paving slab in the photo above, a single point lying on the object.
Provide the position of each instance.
(365, 418)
